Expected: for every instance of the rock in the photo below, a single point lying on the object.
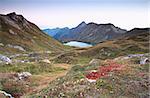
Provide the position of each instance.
(135, 55)
(6, 94)
(34, 54)
(21, 61)
(48, 52)
(17, 55)
(23, 75)
(144, 60)
(91, 80)
(132, 56)
(16, 47)
(94, 62)
(5, 59)
(12, 32)
(1, 44)
(46, 61)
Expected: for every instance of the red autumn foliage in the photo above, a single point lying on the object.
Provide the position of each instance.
(104, 71)
(93, 75)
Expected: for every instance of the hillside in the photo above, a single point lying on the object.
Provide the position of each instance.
(134, 41)
(112, 69)
(19, 35)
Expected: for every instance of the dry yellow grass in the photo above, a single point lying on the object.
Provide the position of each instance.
(42, 81)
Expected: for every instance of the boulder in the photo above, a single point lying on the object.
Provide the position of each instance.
(144, 60)
(23, 75)
(3, 93)
(1, 44)
(5, 59)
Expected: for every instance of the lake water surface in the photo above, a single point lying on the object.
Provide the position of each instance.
(78, 44)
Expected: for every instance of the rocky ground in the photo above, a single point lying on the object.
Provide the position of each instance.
(121, 77)
(48, 74)
(29, 73)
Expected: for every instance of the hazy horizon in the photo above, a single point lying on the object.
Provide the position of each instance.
(125, 14)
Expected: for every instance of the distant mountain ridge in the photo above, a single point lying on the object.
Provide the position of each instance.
(18, 34)
(91, 33)
(53, 32)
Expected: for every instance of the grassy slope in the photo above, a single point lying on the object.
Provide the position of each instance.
(31, 39)
(129, 45)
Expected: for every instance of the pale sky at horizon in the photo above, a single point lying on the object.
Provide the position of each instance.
(126, 14)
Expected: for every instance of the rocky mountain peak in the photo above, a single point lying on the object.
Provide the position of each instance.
(11, 14)
(15, 17)
(82, 24)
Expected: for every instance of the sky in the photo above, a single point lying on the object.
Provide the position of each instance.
(126, 14)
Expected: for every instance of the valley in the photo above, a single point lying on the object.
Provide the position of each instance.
(97, 61)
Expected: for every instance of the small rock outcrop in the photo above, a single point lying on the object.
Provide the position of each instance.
(23, 75)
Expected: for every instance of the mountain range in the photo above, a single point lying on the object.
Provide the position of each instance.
(90, 33)
(18, 34)
(53, 32)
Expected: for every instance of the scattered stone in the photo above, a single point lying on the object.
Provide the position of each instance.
(1, 44)
(94, 62)
(34, 54)
(132, 56)
(23, 75)
(17, 55)
(49, 52)
(91, 80)
(144, 60)
(5, 59)
(6, 94)
(46, 61)
(12, 32)
(135, 55)
(21, 61)
(111, 92)
(16, 47)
